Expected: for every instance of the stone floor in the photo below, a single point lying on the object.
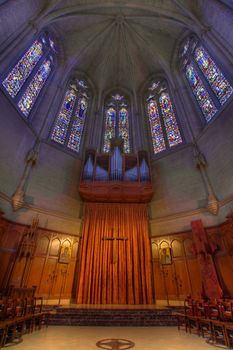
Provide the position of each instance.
(85, 338)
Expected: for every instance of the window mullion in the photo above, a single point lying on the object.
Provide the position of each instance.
(117, 120)
(72, 119)
(205, 83)
(162, 123)
(31, 76)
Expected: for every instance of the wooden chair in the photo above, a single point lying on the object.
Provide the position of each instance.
(193, 323)
(205, 327)
(3, 301)
(229, 333)
(226, 311)
(212, 311)
(3, 332)
(218, 332)
(182, 321)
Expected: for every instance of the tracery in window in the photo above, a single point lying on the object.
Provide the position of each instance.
(26, 79)
(69, 124)
(116, 123)
(214, 76)
(164, 128)
(30, 95)
(202, 96)
(208, 83)
(18, 75)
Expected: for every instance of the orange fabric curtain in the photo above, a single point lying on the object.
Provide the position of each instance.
(128, 279)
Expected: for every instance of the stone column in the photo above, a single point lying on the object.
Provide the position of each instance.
(18, 199)
(201, 163)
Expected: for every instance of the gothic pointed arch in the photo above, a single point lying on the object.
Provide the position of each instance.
(69, 124)
(28, 75)
(210, 85)
(161, 116)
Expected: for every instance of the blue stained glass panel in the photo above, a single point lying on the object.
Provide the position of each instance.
(169, 118)
(78, 124)
(124, 128)
(155, 127)
(110, 125)
(202, 96)
(64, 116)
(18, 75)
(29, 97)
(219, 84)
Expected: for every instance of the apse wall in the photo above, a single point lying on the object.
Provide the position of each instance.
(180, 193)
(16, 138)
(52, 192)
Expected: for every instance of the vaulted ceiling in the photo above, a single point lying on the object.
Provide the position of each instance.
(120, 43)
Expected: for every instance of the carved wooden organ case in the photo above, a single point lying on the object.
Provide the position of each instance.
(115, 176)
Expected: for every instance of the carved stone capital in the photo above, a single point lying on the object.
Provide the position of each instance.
(213, 205)
(17, 200)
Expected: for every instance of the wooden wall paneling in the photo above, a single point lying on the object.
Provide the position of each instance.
(155, 257)
(68, 281)
(58, 287)
(49, 278)
(177, 248)
(43, 287)
(75, 249)
(36, 271)
(170, 285)
(18, 272)
(224, 264)
(159, 282)
(194, 271)
(168, 273)
(7, 258)
(10, 241)
(181, 278)
(42, 245)
(77, 258)
(55, 247)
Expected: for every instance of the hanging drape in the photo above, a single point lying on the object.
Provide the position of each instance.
(126, 279)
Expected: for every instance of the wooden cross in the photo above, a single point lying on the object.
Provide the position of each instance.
(115, 238)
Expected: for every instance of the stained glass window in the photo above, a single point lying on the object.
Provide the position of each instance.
(124, 128)
(69, 124)
(29, 97)
(169, 119)
(164, 128)
(78, 124)
(202, 96)
(209, 85)
(155, 127)
(116, 121)
(63, 120)
(16, 78)
(28, 76)
(110, 126)
(219, 84)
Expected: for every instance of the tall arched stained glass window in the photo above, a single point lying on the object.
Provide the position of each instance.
(69, 124)
(165, 132)
(116, 121)
(210, 87)
(28, 76)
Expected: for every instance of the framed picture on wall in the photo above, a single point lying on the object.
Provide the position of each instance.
(165, 256)
(65, 255)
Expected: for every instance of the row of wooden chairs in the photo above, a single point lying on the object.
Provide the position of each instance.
(213, 320)
(19, 316)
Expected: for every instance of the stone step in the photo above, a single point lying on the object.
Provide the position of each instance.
(100, 317)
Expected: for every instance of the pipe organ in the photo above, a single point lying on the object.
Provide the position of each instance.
(115, 176)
